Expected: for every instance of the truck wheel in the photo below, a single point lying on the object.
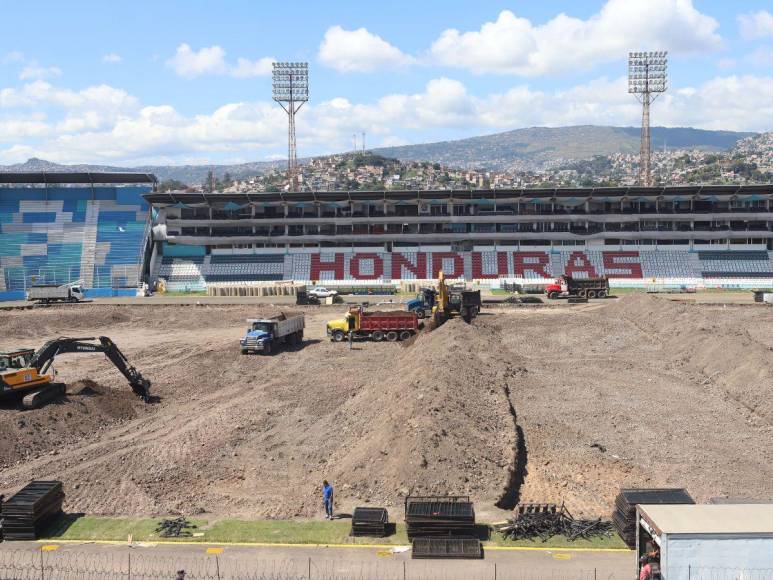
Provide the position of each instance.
(377, 336)
(420, 313)
(405, 335)
(267, 348)
(582, 293)
(338, 336)
(553, 295)
(244, 351)
(591, 293)
(391, 336)
(602, 294)
(299, 337)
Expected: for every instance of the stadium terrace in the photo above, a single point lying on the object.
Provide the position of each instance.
(117, 232)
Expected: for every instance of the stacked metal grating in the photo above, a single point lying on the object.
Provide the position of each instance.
(624, 516)
(449, 515)
(458, 548)
(369, 521)
(33, 508)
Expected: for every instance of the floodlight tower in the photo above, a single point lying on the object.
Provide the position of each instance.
(291, 90)
(646, 80)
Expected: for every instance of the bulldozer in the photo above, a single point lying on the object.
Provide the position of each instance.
(25, 372)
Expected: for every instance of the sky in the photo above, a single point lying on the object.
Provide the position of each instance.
(189, 82)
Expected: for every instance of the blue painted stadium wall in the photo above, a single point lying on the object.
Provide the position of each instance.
(43, 232)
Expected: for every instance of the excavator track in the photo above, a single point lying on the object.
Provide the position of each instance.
(40, 396)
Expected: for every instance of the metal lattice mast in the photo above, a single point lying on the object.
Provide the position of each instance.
(291, 90)
(645, 151)
(646, 80)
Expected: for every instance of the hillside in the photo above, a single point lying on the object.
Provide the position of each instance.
(536, 147)
(190, 174)
(531, 148)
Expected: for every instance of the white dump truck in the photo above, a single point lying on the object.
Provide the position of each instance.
(265, 335)
(46, 293)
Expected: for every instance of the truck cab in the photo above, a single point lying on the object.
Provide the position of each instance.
(423, 303)
(260, 334)
(557, 289)
(338, 329)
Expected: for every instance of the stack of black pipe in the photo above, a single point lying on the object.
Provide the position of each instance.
(33, 508)
(439, 516)
(624, 516)
(370, 521)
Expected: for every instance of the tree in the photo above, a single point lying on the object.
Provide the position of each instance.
(171, 185)
(209, 183)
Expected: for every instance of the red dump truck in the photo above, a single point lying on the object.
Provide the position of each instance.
(389, 325)
(566, 286)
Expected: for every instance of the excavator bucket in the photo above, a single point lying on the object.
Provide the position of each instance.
(141, 388)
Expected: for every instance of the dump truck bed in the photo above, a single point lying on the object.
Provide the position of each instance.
(389, 320)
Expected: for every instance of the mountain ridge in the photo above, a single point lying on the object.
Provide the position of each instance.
(527, 148)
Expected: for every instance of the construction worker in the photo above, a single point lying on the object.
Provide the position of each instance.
(327, 498)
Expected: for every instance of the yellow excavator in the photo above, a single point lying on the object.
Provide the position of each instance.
(25, 371)
(448, 302)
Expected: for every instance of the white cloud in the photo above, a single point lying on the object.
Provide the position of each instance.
(247, 68)
(106, 124)
(762, 56)
(13, 56)
(112, 58)
(33, 71)
(359, 51)
(189, 63)
(756, 25)
(514, 45)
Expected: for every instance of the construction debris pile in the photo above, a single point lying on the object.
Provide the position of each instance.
(370, 521)
(175, 528)
(533, 521)
(624, 516)
(31, 510)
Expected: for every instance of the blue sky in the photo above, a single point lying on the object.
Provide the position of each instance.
(189, 82)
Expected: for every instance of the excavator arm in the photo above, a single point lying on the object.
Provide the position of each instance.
(44, 356)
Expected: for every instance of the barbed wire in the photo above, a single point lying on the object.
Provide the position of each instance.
(78, 565)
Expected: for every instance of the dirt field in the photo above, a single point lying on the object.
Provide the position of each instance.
(543, 404)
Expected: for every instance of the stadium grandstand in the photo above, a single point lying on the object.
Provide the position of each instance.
(114, 231)
(716, 236)
(67, 227)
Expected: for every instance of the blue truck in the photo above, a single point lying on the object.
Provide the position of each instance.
(265, 335)
(423, 303)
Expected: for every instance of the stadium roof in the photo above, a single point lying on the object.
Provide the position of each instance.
(72, 178)
(527, 194)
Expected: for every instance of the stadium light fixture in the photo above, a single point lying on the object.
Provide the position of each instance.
(647, 78)
(290, 89)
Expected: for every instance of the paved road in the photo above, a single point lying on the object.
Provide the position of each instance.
(64, 560)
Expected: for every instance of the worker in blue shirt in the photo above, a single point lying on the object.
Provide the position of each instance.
(327, 498)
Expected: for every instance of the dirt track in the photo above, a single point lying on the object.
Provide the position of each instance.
(638, 392)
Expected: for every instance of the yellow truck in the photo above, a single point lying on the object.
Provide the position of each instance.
(390, 325)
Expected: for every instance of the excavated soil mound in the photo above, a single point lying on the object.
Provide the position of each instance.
(551, 404)
(87, 408)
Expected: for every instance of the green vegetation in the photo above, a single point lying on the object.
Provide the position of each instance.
(183, 293)
(94, 528)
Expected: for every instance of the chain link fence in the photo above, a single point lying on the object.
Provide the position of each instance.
(65, 565)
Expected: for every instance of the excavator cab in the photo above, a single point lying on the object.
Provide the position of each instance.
(17, 359)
